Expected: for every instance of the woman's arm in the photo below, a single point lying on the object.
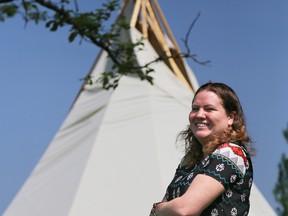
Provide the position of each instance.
(202, 191)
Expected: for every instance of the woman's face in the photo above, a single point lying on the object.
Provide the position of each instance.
(208, 117)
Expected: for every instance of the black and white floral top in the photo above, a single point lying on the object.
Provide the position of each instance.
(231, 165)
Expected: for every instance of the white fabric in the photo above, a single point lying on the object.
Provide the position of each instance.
(259, 205)
(115, 152)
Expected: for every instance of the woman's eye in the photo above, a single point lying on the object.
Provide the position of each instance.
(194, 109)
(209, 109)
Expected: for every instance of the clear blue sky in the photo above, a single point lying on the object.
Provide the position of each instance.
(247, 42)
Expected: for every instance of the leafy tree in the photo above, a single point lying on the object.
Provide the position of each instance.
(90, 27)
(281, 187)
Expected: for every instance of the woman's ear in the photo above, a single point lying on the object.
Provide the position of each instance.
(231, 117)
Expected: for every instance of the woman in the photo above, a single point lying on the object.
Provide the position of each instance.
(215, 176)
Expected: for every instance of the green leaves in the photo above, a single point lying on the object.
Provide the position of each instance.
(32, 13)
(8, 11)
(91, 26)
(109, 79)
(27, 9)
(281, 188)
(285, 133)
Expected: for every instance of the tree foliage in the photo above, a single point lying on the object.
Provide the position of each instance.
(281, 187)
(88, 26)
(91, 27)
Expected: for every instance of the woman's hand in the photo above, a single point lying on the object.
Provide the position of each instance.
(153, 210)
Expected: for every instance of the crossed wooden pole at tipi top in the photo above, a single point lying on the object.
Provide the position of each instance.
(149, 19)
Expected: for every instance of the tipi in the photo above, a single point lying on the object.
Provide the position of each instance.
(115, 152)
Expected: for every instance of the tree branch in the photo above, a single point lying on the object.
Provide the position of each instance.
(69, 20)
(89, 26)
(186, 44)
(189, 31)
(5, 1)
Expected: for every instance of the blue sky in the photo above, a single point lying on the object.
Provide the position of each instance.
(247, 42)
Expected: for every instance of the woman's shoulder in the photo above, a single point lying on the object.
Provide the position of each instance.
(231, 149)
(235, 153)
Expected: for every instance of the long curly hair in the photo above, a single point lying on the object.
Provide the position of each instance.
(236, 133)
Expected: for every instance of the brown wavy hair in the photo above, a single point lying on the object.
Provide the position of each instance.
(236, 133)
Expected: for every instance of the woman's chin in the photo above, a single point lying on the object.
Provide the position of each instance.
(201, 135)
(202, 138)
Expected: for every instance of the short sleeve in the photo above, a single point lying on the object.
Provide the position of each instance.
(227, 164)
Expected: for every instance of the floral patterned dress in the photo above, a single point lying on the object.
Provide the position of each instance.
(231, 165)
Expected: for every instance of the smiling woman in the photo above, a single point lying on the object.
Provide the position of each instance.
(215, 175)
(208, 118)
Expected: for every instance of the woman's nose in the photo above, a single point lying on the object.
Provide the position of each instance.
(200, 113)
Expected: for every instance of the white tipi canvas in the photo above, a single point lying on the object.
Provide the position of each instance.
(115, 152)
